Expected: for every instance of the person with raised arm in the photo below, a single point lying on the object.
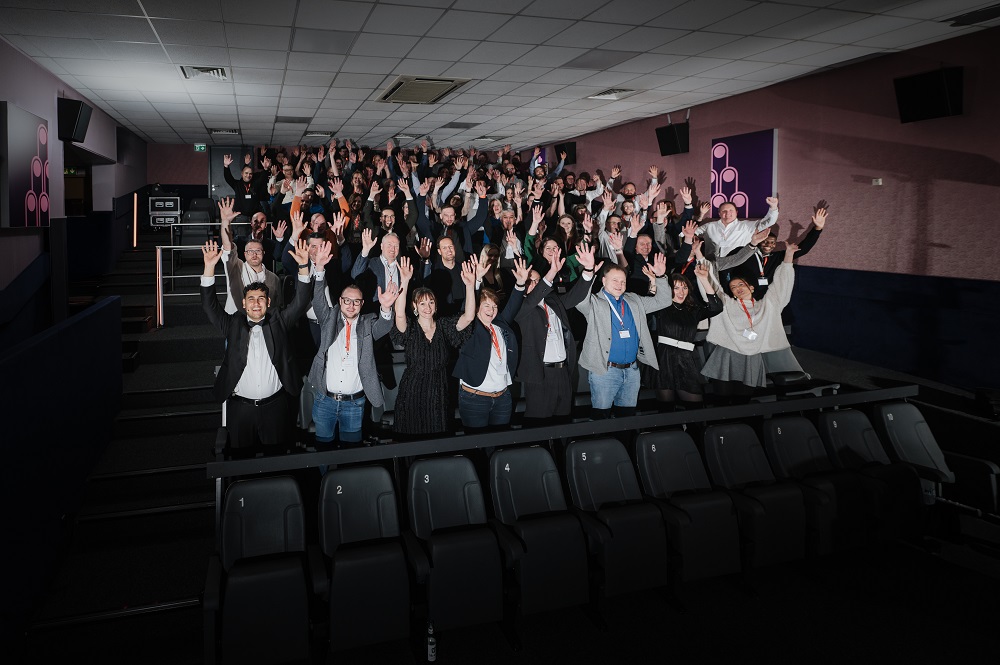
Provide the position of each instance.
(548, 347)
(618, 340)
(343, 373)
(257, 378)
(422, 405)
(240, 273)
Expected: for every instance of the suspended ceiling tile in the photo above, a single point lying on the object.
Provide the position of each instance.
(389, 46)
(197, 33)
(549, 56)
(261, 12)
(322, 41)
(402, 20)
(410, 67)
(264, 37)
(135, 52)
(588, 34)
(519, 73)
(190, 9)
(251, 75)
(643, 39)
(314, 61)
(324, 14)
(257, 58)
(647, 62)
(759, 18)
(469, 25)
(910, 35)
(199, 55)
(572, 9)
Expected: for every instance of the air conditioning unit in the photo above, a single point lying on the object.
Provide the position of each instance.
(420, 90)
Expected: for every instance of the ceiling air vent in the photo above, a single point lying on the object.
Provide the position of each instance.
(489, 139)
(224, 132)
(971, 18)
(460, 125)
(319, 135)
(199, 73)
(404, 137)
(419, 90)
(613, 94)
(293, 119)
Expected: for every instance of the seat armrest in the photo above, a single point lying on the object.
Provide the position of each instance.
(319, 576)
(213, 585)
(416, 556)
(746, 504)
(597, 532)
(975, 481)
(510, 544)
(933, 474)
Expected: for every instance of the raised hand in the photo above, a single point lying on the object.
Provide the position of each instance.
(405, 269)
(339, 222)
(790, 248)
(323, 255)
(616, 171)
(482, 267)
(537, 215)
(368, 241)
(562, 155)
(689, 229)
(696, 248)
(481, 189)
(685, 193)
(521, 271)
(280, 229)
(513, 242)
(660, 214)
(654, 172)
(468, 273)
(689, 182)
(227, 160)
(704, 209)
(307, 168)
(298, 225)
(266, 163)
(635, 225)
(772, 201)
(387, 297)
(301, 252)
(701, 271)
(374, 191)
(642, 202)
(320, 192)
(555, 265)
(389, 145)
(404, 187)
(392, 194)
(650, 274)
(425, 187)
(226, 212)
(608, 198)
(431, 159)
(819, 217)
(300, 185)
(660, 264)
(587, 223)
(654, 191)
(247, 159)
(585, 255)
(211, 253)
(759, 236)
(423, 248)
(617, 240)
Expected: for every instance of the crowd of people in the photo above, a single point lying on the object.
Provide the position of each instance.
(484, 269)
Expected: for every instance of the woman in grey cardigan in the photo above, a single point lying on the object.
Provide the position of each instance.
(749, 336)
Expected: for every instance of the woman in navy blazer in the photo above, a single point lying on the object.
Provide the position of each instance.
(488, 358)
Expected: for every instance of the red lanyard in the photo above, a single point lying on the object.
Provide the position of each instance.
(347, 335)
(548, 323)
(496, 342)
(747, 312)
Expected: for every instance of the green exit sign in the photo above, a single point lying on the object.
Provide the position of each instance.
(200, 147)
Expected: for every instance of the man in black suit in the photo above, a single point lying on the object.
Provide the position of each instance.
(257, 378)
(548, 348)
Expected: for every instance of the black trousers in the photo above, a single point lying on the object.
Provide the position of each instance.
(552, 397)
(262, 428)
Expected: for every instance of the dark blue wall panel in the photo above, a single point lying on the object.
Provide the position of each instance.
(932, 327)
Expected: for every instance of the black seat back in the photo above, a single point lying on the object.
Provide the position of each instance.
(355, 505)
(202, 204)
(444, 493)
(599, 473)
(794, 448)
(735, 457)
(850, 439)
(524, 481)
(260, 517)
(668, 463)
(910, 438)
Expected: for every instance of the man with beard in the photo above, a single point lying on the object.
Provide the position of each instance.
(240, 273)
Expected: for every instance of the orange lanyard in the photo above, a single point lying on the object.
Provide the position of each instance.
(496, 342)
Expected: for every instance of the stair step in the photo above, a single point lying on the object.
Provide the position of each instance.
(143, 422)
(173, 398)
(137, 324)
(130, 361)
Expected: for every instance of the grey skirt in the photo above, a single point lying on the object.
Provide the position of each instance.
(726, 365)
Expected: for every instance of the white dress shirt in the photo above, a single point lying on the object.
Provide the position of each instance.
(342, 375)
(555, 345)
(737, 234)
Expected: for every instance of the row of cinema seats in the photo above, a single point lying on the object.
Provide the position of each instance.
(690, 513)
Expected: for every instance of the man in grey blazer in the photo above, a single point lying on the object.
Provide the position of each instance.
(618, 337)
(343, 373)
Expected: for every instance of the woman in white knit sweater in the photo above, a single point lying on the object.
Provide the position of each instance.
(749, 336)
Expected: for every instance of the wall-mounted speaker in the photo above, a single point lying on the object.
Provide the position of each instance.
(569, 149)
(936, 94)
(673, 138)
(74, 118)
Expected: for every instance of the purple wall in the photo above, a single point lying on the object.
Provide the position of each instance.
(837, 131)
(177, 165)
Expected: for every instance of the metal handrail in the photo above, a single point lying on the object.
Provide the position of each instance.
(160, 277)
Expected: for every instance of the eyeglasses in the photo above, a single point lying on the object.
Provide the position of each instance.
(351, 301)
(254, 251)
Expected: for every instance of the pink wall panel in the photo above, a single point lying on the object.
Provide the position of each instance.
(837, 131)
(176, 165)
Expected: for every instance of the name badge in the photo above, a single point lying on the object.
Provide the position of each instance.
(749, 334)
(762, 281)
(624, 334)
(248, 196)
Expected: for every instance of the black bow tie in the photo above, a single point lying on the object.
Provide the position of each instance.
(251, 324)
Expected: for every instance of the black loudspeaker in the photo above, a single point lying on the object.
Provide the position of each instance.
(936, 94)
(673, 139)
(74, 118)
(569, 149)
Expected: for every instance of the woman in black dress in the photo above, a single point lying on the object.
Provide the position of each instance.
(422, 402)
(680, 371)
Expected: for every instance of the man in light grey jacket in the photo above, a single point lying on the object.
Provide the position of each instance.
(618, 336)
(343, 372)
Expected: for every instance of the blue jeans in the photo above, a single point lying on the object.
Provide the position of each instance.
(478, 411)
(618, 387)
(329, 413)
